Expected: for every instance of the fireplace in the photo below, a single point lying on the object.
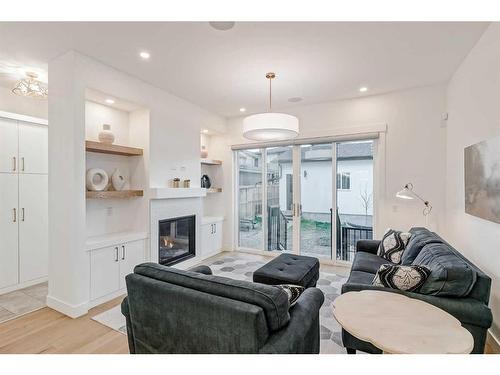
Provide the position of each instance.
(176, 239)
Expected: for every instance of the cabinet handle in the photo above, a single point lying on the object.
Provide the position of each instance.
(215, 228)
(15, 215)
(123, 252)
(116, 254)
(14, 164)
(22, 214)
(22, 163)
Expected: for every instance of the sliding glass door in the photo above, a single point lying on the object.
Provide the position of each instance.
(310, 199)
(316, 196)
(279, 192)
(354, 196)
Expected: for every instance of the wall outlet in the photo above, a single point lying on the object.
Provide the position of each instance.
(109, 211)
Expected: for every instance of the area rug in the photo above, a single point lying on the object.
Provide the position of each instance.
(241, 267)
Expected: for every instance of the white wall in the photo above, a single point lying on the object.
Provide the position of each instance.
(474, 115)
(349, 201)
(10, 102)
(414, 147)
(174, 150)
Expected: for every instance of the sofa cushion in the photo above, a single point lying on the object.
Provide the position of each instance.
(367, 262)
(273, 301)
(393, 245)
(419, 238)
(450, 274)
(408, 278)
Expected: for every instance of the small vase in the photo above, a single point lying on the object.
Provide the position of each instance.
(118, 180)
(204, 152)
(106, 135)
(205, 182)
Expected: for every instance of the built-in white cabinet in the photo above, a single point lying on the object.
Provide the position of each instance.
(9, 158)
(211, 236)
(23, 202)
(33, 148)
(33, 227)
(9, 230)
(23, 147)
(109, 265)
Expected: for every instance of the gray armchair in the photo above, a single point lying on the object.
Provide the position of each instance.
(173, 311)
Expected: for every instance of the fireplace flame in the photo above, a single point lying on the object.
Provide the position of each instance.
(167, 242)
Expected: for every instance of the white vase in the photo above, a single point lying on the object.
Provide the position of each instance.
(96, 179)
(204, 152)
(118, 180)
(106, 135)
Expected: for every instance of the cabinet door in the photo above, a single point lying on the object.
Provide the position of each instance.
(9, 219)
(33, 148)
(33, 226)
(8, 146)
(206, 239)
(217, 237)
(131, 254)
(104, 271)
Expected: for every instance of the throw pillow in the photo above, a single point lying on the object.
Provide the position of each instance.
(393, 245)
(407, 278)
(293, 292)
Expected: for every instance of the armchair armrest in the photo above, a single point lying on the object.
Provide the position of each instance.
(301, 335)
(201, 269)
(367, 246)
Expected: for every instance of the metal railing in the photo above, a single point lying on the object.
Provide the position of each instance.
(349, 236)
(277, 229)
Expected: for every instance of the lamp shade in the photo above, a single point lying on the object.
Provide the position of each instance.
(270, 126)
(405, 194)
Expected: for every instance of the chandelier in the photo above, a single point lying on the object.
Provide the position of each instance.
(30, 87)
(270, 126)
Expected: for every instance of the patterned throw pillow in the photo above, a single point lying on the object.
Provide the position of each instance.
(293, 291)
(393, 245)
(408, 278)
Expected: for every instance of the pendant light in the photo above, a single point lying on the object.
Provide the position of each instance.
(270, 126)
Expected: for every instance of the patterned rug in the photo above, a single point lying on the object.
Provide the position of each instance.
(241, 266)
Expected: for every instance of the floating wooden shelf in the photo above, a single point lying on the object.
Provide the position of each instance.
(214, 190)
(114, 194)
(211, 162)
(103, 148)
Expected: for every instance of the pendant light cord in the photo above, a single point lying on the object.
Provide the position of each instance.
(270, 95)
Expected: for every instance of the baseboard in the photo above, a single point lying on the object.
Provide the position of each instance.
(73, 311)
(23, 285)
(106, 298)
(493, 341)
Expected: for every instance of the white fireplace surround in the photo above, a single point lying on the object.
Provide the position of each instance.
(164, 209)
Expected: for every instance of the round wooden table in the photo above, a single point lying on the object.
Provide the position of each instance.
(398, 324)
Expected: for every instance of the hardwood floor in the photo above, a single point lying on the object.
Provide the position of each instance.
(47, 331)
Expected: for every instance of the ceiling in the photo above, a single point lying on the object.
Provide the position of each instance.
(223, 71)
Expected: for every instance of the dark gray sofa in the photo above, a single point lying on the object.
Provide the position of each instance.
(456, 285)
(174, 311)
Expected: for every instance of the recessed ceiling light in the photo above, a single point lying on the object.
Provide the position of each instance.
(242, 109)
(145, 55)
(363, 89)
(295, 99)
(204, 131)
(110, 101)
(222, 26)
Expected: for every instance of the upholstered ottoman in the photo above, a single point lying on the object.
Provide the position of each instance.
(289, 269)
